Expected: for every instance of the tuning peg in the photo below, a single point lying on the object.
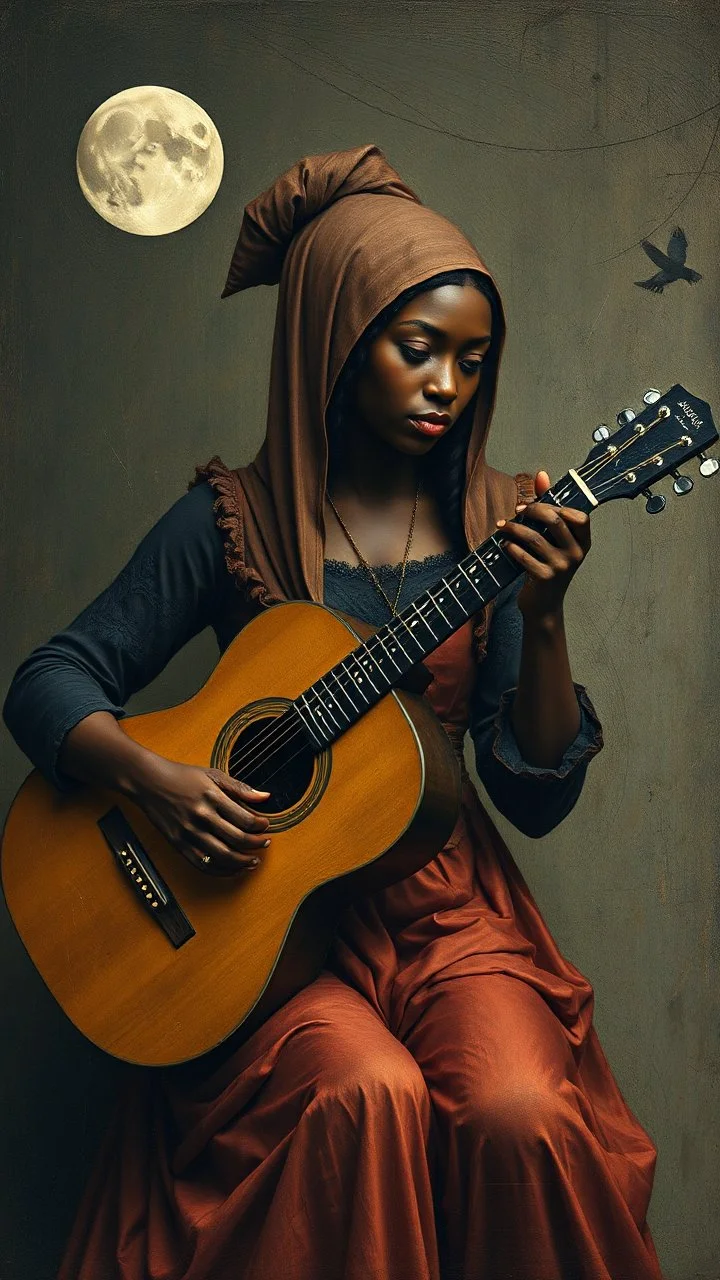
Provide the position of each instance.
(708, 466)
(655, 502)
(652, 395)
(601, 433)
(681, 484)
(625, 416)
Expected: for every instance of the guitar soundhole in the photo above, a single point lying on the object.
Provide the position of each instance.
(272, 754)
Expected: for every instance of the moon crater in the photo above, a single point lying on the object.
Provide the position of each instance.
(149, 160)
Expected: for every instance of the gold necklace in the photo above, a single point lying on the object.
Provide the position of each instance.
(363, 561)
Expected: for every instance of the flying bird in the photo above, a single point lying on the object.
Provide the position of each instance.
(672, 264)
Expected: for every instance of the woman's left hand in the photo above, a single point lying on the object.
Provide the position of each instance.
(549, 561)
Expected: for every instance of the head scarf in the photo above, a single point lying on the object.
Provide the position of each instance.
(343, 236)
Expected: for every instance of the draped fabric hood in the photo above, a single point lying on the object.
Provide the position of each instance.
(342, 236)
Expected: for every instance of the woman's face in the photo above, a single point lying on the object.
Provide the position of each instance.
(426, 362)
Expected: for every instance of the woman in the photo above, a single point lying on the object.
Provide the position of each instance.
(436, 1103)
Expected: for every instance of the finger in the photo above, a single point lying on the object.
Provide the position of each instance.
(217, 867)
(237, 816)
(235, 837)
(235, 786)
(573, 533)
(542, 510)
(556, 525)
(220, 860)
(557, 560)
(542, 482)
(204, 862)
(227, 802)
(575, 540)
(532, 540)
(234, 832)
(575, 517)
(537, 568)
(579, 522)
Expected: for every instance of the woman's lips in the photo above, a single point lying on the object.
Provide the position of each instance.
(428, 428)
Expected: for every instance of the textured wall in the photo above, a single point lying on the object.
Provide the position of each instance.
(558, 137)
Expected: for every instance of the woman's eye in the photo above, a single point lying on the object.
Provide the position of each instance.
(417, 355)
(413, 353)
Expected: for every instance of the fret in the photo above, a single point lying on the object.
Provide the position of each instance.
(407, 655)
(564, 489)
(301, 707)
(352, 686)
(427, 624)
(437, 624)
(411, 633)
(487, 569)
(328, 705)
(472, 584)
(453, 611)
(443, 615)
(311, 702)
(499, 542)
(343, 671)
(353, 677)
(370, 664)
(452, 593)
(379, 637)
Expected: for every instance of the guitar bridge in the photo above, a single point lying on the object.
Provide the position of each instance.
(148, 885)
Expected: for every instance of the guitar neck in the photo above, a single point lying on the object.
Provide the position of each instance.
(344, 693)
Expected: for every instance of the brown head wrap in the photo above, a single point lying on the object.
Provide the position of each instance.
(344, 236)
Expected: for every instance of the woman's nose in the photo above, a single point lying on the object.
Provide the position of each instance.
(442, 383)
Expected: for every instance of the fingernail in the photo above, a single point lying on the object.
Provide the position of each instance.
(501, 522)
(521, 506)
(265, 844)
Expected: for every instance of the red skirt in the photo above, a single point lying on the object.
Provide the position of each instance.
(435, 1106)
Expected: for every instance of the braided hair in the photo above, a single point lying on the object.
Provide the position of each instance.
(444, 465)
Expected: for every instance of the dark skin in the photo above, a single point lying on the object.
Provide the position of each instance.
(412, 370)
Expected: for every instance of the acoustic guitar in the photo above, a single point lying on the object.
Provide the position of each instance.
(156, 962)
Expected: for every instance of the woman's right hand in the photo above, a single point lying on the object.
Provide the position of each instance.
(201, 812)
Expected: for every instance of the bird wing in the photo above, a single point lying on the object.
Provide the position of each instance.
(677, 246)
(656, 255)
(656, 283)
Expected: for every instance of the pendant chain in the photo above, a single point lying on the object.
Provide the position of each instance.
(363, 561)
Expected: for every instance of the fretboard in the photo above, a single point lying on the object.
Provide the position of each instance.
(344, 693)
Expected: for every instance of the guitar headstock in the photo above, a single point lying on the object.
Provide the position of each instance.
(671, 429)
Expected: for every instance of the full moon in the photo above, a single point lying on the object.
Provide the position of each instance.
(149, 160)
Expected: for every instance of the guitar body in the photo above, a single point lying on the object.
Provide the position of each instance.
(368, 811)
(157, 962)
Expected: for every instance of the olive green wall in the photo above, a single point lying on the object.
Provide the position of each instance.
(557, 137)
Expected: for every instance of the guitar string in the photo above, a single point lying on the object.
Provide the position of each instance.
(613, 480)
(272, 739)
(598, 463)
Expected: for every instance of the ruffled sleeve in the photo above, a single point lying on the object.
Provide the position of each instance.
(535, 799)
